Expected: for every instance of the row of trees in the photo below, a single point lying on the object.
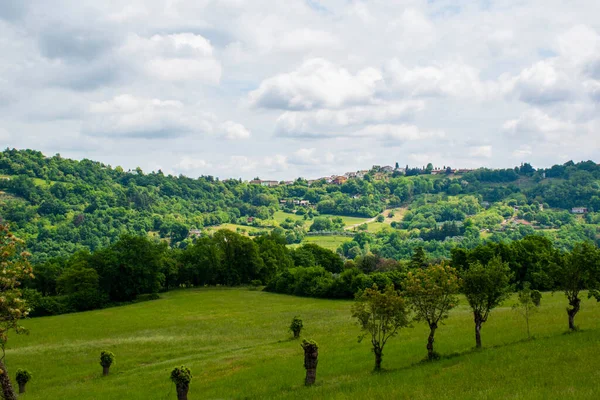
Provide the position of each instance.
(430, 293)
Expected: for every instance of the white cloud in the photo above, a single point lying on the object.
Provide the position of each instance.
(450, 79)
(398, 134)
(480, 151)
(132, 116)
(188, 163)
(182, 57)
(317, 83)
(234, 131)
(329, 123)
(538, 124)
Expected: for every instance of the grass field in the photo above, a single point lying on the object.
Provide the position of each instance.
(329, 242)
(236, 343)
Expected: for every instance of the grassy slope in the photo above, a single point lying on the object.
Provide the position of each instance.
(329, 242)
(236, 344)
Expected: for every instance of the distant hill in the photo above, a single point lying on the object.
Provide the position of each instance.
(61, 205)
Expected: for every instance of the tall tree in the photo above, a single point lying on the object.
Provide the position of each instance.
(15, 268)
(579, 271)
(432, 294)
(380, 315)
(485, 288)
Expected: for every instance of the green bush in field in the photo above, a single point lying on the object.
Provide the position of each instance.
(23, 376)
(181, 377)
(107, 358)
(296, 326)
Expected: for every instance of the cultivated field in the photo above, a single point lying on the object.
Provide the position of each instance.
(236, 344)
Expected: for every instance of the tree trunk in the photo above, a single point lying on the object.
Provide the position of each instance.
(182, 392)
(430, 340)
(378, 357)
(571, 311)
(478, 322)
(21, 388)
(311, 355)
(7, 390)
(105, 371)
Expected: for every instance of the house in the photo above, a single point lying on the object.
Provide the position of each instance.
(387, 168)
(339, 180)
(463, 170)
(361, 174)
(438, 171)
(194, 232)
(289, 182)
(579, 210)
(269, 183)
(350, 174)
(256, 182)
(304, 203)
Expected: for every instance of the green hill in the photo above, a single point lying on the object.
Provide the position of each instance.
(236, 343)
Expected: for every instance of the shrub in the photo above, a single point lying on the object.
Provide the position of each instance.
(296, 326)
(181, 375)
(147, 297)
(106, 358)
(23, 376)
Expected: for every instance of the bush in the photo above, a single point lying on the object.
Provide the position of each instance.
(147, 297)
(23, 376)
(181, 376)
(106, 358)
(296, 326)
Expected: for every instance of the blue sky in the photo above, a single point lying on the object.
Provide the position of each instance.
(245, 88)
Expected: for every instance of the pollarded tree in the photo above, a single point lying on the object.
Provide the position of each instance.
(485, 288)
(107, 359)
(296, 326)
(380, 315)
(181, 377)
(15, 268)
(528, 302)
(431, 293)
(580, 270)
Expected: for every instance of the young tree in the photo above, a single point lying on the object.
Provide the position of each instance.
(528, 302)
(296, 326)
(15, 268)
(106, 360)
(431, 293)
(181, 377)
(419, 258)
(580, 270)
(485, 287)
(380, 315)
(311, 358)
(23, 376)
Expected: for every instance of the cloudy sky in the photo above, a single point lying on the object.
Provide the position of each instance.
(281, 89)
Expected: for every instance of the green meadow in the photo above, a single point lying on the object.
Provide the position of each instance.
(236, 343)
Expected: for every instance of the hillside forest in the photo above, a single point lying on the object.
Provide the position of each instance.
(100, 235)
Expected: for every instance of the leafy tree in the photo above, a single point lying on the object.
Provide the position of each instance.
(485, 288)
(380, 315)
(419, 258)
(528, 302)
(15, 268)
(579, 271)
(432, 294)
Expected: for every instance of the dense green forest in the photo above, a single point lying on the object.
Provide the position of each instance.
(100, 235)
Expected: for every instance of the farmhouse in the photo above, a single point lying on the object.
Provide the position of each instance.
(579, 210)
(340, 180)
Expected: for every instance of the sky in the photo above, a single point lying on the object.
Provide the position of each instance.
(310, 88)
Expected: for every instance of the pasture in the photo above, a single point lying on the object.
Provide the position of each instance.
(236, 343)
